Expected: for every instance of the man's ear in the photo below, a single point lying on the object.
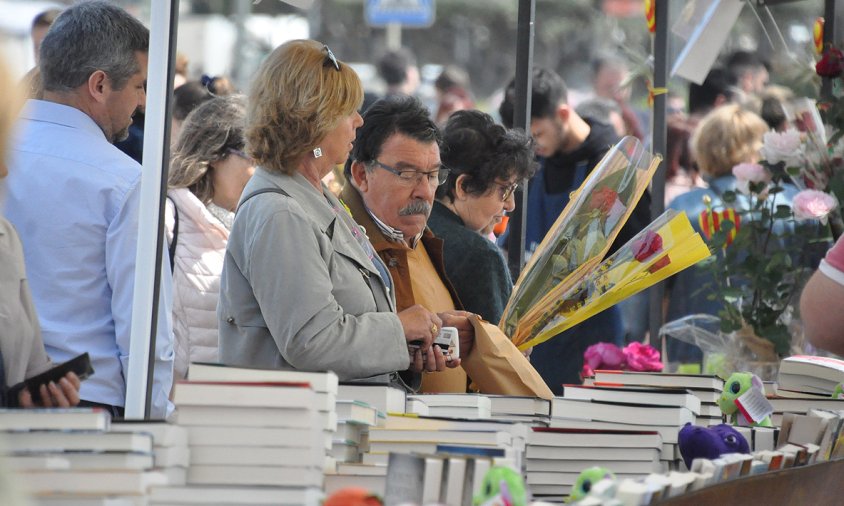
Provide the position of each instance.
(360, 176)
(98, 85)
(563, 112)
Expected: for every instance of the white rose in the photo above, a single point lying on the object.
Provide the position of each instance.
(783, 147)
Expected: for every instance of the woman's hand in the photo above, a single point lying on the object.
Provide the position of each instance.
(420, 326)
(63, 394)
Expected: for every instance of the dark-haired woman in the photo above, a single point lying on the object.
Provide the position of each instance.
(487, 161)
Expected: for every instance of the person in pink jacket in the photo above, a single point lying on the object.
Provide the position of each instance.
(208, 171)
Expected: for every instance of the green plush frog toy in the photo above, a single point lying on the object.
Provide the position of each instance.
(502, 486)
(587, 479)
(737, 385)
(838, 393)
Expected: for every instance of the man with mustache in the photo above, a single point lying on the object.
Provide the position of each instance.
(75, 198)
(392, 175)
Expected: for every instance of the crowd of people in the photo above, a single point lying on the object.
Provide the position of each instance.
(311, 224)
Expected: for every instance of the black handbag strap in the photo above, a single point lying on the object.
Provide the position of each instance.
(172, 248)
(262, 190)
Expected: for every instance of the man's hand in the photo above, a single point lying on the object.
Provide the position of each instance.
(421, 325)
(460, 321)
(62, 395)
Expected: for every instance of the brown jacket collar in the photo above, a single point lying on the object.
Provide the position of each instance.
(394, 254)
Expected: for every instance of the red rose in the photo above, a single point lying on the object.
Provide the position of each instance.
(603, 199)
(647, 246)
(831, 63)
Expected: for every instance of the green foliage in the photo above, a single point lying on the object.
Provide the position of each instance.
(757, 276)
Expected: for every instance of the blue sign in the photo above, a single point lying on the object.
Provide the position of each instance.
(411, 13)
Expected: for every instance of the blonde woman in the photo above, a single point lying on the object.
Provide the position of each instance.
(207, 174)
(301, 286)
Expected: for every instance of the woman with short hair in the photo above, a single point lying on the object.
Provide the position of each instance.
(207, 174)
(301, 285)
(486, 163)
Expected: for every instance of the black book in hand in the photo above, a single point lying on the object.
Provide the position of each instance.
(80, 365)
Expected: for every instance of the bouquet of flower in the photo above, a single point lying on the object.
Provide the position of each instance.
(766, 246)
(584, 231)
(665, 247)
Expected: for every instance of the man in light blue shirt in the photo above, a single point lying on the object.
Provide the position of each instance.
(74, 199)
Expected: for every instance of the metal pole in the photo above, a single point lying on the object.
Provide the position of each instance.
(830, 27)
(659, 141)
(521, 119)
(393, 36)
(164, 20)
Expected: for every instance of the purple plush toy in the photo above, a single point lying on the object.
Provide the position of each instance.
(710, 442)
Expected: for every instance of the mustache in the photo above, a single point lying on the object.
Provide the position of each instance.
(416, 207)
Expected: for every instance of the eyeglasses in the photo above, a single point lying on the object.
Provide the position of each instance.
(507, 190)
(412, 177)
(330, 59)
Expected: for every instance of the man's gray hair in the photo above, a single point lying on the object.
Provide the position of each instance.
(87, 37)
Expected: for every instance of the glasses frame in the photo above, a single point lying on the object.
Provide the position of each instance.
(330, 59)
(442, 173)
(509, 190)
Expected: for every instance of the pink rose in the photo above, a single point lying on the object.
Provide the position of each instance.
(603, 356)
(813, 205)
(642, 357)
(747, 173)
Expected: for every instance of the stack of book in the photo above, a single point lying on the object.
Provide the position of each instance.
(354, 418)
(555, 457)
(531, 411)
(169, 446)
(324, 384)
(251, 442)
(785, 401)
(384, 398)
(661, 410)
(468, 406)
(410, 433)
(810, 374)
(707, 388)
(66, 455)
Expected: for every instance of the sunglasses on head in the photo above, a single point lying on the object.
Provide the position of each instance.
(330, 59)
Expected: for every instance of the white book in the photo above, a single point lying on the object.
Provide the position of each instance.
(222, 416)
(465, 412)
(384, 398)
(44, 441)
(256, 456)
(259, 395)
(356, 412)
(658, 379)
(450, 400)
(374, 484)
(91, 482)
(662, 396)
(586, 452)
(349, 432)
(631, 413)
(319, 381)
(255, 475)
(345, 451)
(455, 481)
(515, 405)
(594, 438)
(171, 456)
(163, 434)
(358, 469)
(82, 461)
(254, 436)
(54, 419)
(235, 495)
(417, 407)
(432, 480)
(485, 438)
(669, 433)
(576, 466)
(85, 500)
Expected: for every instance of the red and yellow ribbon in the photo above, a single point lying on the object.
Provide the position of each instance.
(818, 35)
(650, 15)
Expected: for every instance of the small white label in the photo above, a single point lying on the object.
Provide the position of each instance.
(754, 405)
